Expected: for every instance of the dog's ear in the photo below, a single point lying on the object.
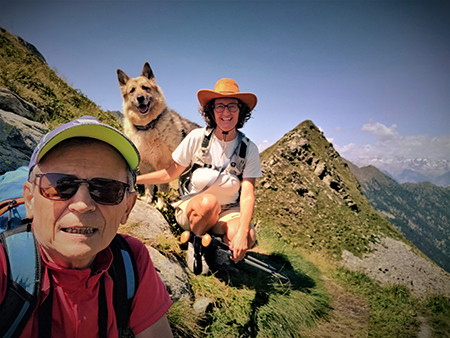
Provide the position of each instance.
(122, 77)
(147, 71)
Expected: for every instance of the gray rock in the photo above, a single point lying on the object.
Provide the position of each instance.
(10, 102)
(201, 304)
(172, 273)
(147, 222)
(31, 48)
(18, 138)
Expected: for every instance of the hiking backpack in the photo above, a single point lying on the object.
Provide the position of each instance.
(236, 166)
(12, 205)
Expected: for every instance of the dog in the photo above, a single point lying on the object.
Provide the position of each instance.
(155, 129)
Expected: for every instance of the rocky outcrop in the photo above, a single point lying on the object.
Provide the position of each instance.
(172, 273)
(18, 138)
(147, 224)
(394, 262)
(20, 130)
(12, 103)
(31, 48)
(294, 155)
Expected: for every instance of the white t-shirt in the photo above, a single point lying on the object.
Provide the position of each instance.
(226, 187)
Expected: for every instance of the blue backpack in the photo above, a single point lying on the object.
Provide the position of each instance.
(25, 268)
(12, 206)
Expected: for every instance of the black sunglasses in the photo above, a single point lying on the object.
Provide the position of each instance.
(61, 187)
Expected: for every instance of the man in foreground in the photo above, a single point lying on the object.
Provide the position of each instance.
(80, 189)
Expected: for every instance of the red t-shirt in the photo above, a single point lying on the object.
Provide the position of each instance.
(75, 296)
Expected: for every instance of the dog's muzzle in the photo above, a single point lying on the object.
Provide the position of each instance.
(143, 106)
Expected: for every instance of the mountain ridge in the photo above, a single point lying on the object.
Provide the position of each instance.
(415, 170)
(417, 210)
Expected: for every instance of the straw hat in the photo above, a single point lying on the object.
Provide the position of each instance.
(226, 88)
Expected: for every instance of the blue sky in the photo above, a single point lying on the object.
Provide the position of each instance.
(373, 75)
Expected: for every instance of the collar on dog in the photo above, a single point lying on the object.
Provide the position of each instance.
(152, 123)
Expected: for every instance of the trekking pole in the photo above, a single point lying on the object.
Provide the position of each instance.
(207, 240)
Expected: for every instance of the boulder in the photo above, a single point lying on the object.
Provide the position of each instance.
(18, 138)
(31, 48)
(147, 223)
(172, 273)
(10, 102)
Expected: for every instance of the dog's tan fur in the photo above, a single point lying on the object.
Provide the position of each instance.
(155, 129)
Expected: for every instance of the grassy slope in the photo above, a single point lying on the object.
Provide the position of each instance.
(32, 79)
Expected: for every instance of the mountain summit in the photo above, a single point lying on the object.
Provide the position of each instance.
(311, 199)
(309, 194)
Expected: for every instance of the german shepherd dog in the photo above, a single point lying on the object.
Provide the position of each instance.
(155, 129)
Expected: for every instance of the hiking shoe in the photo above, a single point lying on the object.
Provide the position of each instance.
(197, 264)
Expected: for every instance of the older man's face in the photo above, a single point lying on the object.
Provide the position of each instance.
(73, 231)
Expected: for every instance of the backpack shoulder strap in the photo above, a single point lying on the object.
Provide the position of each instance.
(24, 279)
(124, 273)
(207, 137)
(203, 151)
(198, 161)
(243, 151)
(240, 156)
(244, 147)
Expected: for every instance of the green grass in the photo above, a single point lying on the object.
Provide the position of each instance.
(31, 78)
(438, 310)
(184, 321)
(251, 303)
(394, 311)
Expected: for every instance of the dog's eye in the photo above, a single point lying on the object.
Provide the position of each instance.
(146, 88)
(132, 90)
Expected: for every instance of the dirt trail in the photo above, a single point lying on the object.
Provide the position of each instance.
(349, 317)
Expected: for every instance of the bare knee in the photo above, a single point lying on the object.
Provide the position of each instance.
(203, 212)
(209, 203)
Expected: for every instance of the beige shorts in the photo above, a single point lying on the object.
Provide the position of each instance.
(224, 216)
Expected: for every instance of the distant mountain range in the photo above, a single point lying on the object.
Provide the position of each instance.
(420, 211)
(417, 170)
